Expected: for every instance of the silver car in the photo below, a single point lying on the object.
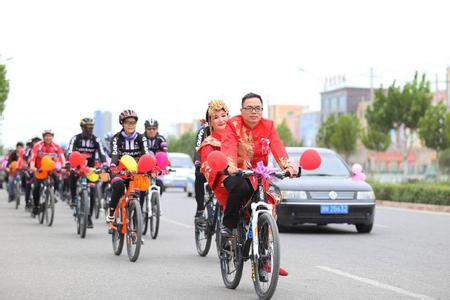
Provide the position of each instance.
(328, 194)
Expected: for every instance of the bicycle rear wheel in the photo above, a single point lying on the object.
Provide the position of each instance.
(117, 235)
(155, 213)
(231, 260)
(134, 230)
(266, 266)
(203, 233)
(49, 206)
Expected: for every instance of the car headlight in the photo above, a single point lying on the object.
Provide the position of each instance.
(294, 195)
(365, 195)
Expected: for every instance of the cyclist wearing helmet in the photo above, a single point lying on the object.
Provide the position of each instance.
(41, 149)
(156, 143)
(13, 173)
(126, 142)
(89, 145)
(200, 180)
(28, 174)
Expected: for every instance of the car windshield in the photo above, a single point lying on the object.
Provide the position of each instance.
(331, 165)
(181, 162)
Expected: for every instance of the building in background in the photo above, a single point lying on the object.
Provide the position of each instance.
(103, 123)
(342, 100)
(448, 85)
(183, 128)
(309, 126)
(290, 113)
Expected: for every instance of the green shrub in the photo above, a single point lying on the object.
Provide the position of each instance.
(428, 193)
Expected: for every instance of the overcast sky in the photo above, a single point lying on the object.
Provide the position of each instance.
(167, 59)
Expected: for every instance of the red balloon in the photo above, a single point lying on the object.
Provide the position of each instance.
(310, 160)
(162, 160)
(77, 159)
(217, 160)
(146, 163)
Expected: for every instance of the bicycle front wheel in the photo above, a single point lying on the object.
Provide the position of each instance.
(145, 216)
(49, 206)
(155, 213)
(202, 233)
(83, 213)
(17, 194)
(134, 230)
(266, 265)
(41, 207)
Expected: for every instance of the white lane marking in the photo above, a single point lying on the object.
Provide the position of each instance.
(381, 226)
(416, 211)
(376, 283)
(177, 223)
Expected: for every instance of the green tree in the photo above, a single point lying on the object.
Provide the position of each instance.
(375, 139)
(184, 144)
(285, 133)
(4, 88)
(326, 130)
(345, 135)
(401, 110)
(432, 127)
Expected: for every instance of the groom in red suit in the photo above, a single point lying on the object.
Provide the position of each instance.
(246, 141)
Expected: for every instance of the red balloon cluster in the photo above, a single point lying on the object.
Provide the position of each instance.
(146, 163)
(310, 160)
(76, 159)
(162, 160)
(217, 160)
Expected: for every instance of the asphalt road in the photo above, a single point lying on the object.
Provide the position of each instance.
(407, 256)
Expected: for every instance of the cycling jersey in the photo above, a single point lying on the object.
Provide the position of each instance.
(89, 147)
(157, 144)
(41, 149)
(202, 133)
(122, 144)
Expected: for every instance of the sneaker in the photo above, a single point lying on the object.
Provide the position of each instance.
(73, 203)
(142, 240)
(110, 216)
(199, 218)
(225, 231)
(35, 211)
(90, 223)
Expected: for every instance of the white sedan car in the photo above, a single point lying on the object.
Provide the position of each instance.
(184, 168)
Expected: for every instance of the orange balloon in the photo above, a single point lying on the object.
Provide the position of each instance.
(41, 174)
(47, 163)
(13, 165)
(141, 182)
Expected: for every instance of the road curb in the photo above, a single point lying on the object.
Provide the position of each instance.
(416, 206)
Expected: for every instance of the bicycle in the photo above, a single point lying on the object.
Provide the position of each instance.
(46, 203)
(204, 231)
(128, 217)
(256, 238)
(83, 200)
(16, 189)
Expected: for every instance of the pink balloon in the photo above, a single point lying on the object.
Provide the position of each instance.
(356, 168)
(162, 160)
(359, 176)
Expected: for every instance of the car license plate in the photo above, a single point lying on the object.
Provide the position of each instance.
(334, 209)
(179, 184)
